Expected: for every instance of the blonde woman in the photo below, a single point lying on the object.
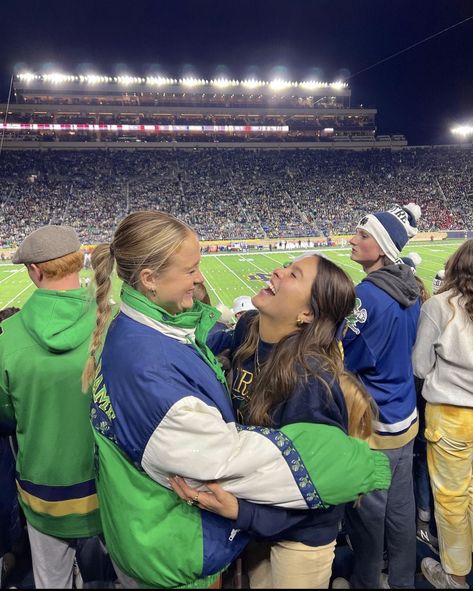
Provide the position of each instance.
(443, 357)
(161, 407)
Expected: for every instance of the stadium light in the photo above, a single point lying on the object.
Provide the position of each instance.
(252, 83)
(27, 76)
(312, 84)
(223, 82)
(94, 79)
(57, 78)
(190, 82)
(338, 85)
(278, 84)
(158, 80)
(128, 80)
(463, 130)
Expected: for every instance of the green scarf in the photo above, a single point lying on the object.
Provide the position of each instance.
(200, 317)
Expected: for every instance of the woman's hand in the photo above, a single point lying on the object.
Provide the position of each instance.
(218, 500)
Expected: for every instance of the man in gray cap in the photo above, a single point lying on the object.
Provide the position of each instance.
(43, 350)
(47, 243)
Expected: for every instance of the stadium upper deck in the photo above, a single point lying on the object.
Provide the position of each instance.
(62, 108)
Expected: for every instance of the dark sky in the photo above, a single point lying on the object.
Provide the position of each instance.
(420, 93)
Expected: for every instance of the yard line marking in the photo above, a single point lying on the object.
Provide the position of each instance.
(212, 288)
(29, 286)
(272, 258)
(11, 275)
(233, 273)
(282, 251)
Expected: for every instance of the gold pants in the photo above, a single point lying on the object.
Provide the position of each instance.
(289, 565)
(449, 434)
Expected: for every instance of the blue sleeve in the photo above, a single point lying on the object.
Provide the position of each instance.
(359, 357)
(265, 520)
(220, 338)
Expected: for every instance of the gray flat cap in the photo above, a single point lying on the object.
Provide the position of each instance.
(47, 243)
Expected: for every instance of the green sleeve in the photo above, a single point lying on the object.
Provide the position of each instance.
(340, 467)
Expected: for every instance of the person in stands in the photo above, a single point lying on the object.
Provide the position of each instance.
(378, 346)
(442, 357)
(42, 351)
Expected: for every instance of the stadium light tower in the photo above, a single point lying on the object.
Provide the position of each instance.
(464, 131)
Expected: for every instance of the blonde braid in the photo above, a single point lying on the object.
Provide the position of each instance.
(102, 263)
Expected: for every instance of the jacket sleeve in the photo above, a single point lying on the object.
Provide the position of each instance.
(304, 468)
(219, 339)
(423, 354)
(266, 521)
(359, 357)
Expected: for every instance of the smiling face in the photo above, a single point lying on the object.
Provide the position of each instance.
(287, 298)
(366, 251)
(174, 286)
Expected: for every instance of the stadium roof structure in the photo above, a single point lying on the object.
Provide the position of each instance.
(154, 110)
(29, 82)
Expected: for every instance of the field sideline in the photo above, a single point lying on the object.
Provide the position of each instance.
(228, 275)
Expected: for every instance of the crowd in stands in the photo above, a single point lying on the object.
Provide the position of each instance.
(232, 194)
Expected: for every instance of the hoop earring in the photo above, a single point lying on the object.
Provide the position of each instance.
(299, 322)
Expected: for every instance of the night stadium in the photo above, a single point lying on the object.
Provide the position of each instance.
(250, 164)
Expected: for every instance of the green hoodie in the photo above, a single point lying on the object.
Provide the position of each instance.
(43, 350)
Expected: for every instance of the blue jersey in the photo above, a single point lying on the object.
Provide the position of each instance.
(378, 347)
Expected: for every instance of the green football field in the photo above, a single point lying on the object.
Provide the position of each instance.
(230, 275)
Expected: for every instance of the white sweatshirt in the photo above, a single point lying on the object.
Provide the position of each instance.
(443, 352)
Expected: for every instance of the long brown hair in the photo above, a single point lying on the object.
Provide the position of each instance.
(332, 298)
(144, 239)
(459, 277)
